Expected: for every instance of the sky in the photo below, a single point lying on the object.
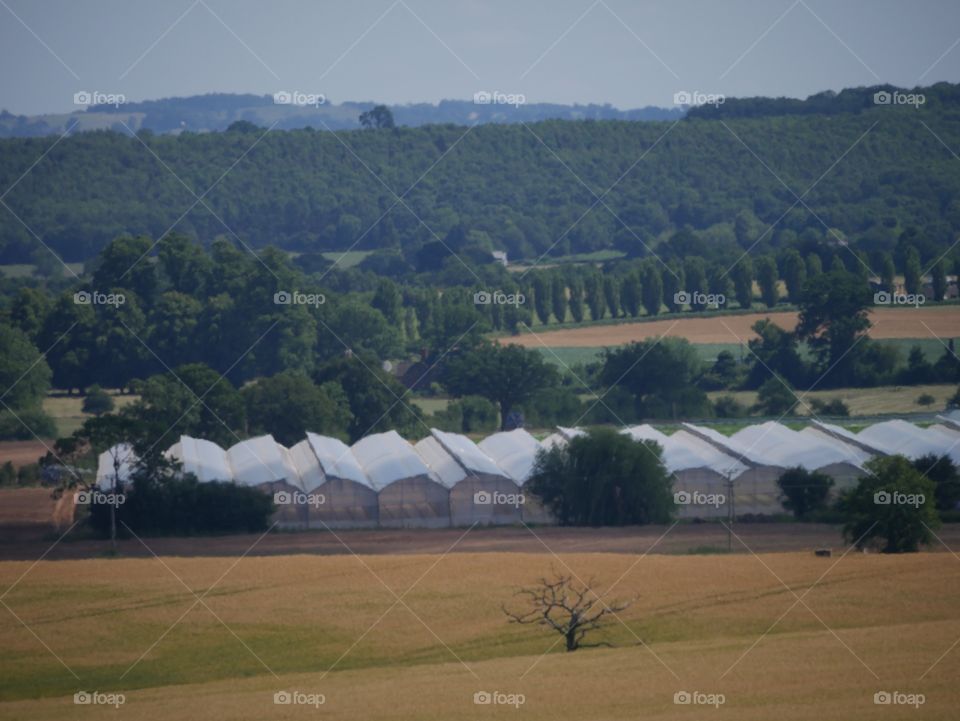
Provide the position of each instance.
(626, 53)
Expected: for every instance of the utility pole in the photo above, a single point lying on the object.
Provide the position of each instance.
(731, 509)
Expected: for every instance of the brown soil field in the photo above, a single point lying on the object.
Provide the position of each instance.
(23, 453)
(942, 322)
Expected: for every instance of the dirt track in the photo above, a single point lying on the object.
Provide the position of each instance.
(942, 322)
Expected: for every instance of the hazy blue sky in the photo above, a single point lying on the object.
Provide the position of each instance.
(629, 54)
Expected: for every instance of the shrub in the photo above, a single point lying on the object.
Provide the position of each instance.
(97, 401)
(184, 506)
(804, 492)
(925, 399)
(729, 407)
(944, 475)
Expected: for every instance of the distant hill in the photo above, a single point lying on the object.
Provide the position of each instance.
(877, 172)
(204, 113)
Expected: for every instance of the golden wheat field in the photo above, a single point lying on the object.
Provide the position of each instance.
(775, 636)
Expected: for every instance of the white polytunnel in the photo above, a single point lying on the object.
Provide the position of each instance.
(409, 494)
(485, 494)
(117, 464)
(900, 437)
(756, 490)
(343, 497)
(700, 471)
(308, 468)
(260, 460)
(204, 459)
(515, 453)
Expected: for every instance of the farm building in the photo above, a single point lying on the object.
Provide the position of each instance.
(814, 451)
(697, 467)
(485, 494)
(409, 494)
(204, 459)
(349, 497)
(900, 437)
(515, 452)
(263, 463)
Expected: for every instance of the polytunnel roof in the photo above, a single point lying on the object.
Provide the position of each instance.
(307, 466)
(739, 451)
(513, 451)
(469, 455)
(554, 439)
(684, 451)
(260, 460)
(787, 448)
(898, 436)
(337, 459)
(124, 453)
(387, 458)
(205, 459)
(444, 465)
(849, 437)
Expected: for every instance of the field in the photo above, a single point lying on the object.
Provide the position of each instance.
(942, 322)
(866, 401)
(416, 636)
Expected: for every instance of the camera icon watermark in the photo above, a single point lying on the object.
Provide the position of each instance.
(696, 498)
(298, 498)
(498, 498)
(86, 98)
(98, 498)
(698, 698)
(883, 297)
(695, 297)
(96, 698)
(696, 98)
(885, 97)
(484, 97)
(498, 297)
(299, 99)
(899, 698)
(295, 297)
(896, 498)
(94, 297)
(299, 698)
(498, 698)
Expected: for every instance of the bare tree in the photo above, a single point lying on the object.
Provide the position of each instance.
(569, 609)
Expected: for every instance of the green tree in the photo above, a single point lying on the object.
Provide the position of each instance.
(673, 282)
(377, 117)
(767, 279)
(593, 290)
(660, 374)
(814, 265)
(631, 293)
(804, 492)
(652, 290)
(558, 296)
(376, 399)
(97, 401)
(541, 297)
(912, 272)
(387, 300)
(775, 398)
(507, 375)
(576, 300)
(943, 473)
(289, 404)
(603, 478)
(743, 282)
(833, 316)
(888, 273)
(794, 274)
(695, 272)
(892, 507)
(24, 373)
(611, 295)
(938, 280)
